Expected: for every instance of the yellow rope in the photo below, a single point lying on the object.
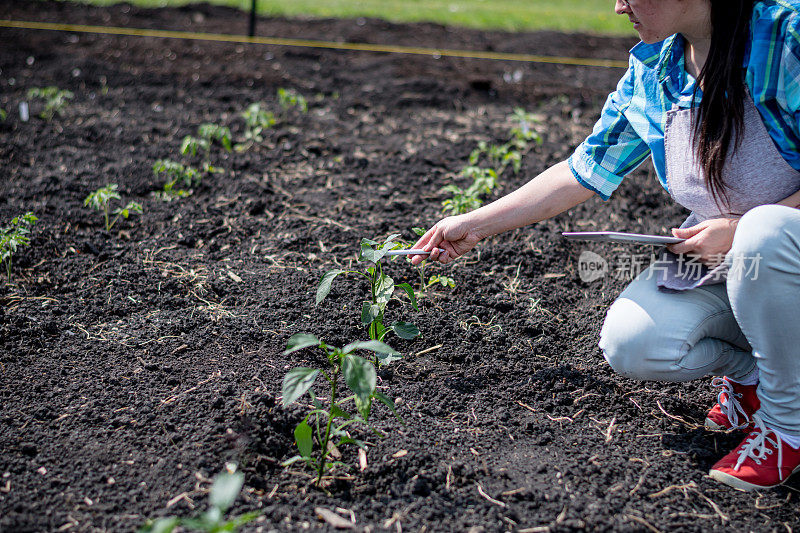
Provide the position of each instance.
(364, 47)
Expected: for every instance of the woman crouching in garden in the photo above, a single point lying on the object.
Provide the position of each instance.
(712, 94)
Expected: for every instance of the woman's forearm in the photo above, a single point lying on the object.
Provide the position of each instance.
(552, 192)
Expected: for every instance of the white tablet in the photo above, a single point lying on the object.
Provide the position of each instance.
(618, 236)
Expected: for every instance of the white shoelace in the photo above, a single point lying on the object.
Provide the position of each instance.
(757, 446)
(731, 406)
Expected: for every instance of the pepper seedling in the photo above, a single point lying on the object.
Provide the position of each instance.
(382, 288)
(224, 491)
(55, 100)
(256, 121)
(3, 115)
(101, 200)
(421, 268)
(13, 237)
(206, 135)
(289, 98)
(525, 129)
(327, 425)
(176, 172)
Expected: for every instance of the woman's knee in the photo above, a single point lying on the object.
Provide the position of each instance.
(627, 338)
(765, 231)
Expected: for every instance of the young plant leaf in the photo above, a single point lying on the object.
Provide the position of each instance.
(411, 296)
(405, 330)
(368, 253)
(373, 346)
(360, 376)
(377, 330)
(302, 435)
(338, 412)
(388, 402)
(387, 358)
(363, 405)
(225, 489)
(384, 290)
(298, 341)
(324, 286)
(297, 382)
(369, 313)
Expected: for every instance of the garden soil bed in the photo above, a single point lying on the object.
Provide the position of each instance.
(135, 363)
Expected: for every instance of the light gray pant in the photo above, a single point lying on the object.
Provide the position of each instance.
(724, 329)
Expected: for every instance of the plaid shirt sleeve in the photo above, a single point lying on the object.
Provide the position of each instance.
(614, 149)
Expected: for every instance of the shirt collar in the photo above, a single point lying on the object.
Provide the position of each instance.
(666, 60)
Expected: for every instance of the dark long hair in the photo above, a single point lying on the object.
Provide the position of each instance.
(720, 116)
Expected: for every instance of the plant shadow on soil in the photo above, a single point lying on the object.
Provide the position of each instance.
(135, 363)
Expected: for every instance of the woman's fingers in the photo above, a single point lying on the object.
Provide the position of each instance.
(684, 247)
(422, 244)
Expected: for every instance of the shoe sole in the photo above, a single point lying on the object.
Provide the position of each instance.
(713, 426)
(736, 483)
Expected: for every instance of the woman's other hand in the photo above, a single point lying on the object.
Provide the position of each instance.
(709, 241)
(454, 235)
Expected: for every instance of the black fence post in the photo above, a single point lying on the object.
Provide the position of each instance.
(252, 32)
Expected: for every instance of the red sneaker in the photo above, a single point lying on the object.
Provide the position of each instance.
(761, 461)
(736, 403)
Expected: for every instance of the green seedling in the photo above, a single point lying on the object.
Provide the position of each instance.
(327, 425)
(461, 201)
(207, 134)
(289, 98)
(55, 100)
(444, 281)
(101, 200)
(421, 268)
(484, 180)
(3, 115)
(224, 491)
(177, 174)
(13, 237)
(256, 121)
(382, 288)
(525, 129)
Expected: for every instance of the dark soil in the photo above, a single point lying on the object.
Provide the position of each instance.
(135, 363)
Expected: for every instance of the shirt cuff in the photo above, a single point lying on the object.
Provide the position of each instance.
(591, 175)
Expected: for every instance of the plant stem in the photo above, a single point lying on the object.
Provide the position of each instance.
(324, 451)
(105, 213)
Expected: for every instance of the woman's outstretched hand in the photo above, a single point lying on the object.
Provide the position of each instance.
(710, 240)
(454, 235)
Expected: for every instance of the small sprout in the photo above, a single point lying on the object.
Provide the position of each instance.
(3, 115)
(101, 200)
(525, 130)
(13, 237)
(382, 289)
(55, 100)
(206, 135)
(461, 202)
(176, 174)
(444, 281)
(424, 285)
(327, 425)
(224, 491)
(256, 121)
(289, 98)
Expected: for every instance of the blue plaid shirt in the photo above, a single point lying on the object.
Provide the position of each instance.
(631, 127)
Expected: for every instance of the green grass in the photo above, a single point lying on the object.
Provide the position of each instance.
(595, 16)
